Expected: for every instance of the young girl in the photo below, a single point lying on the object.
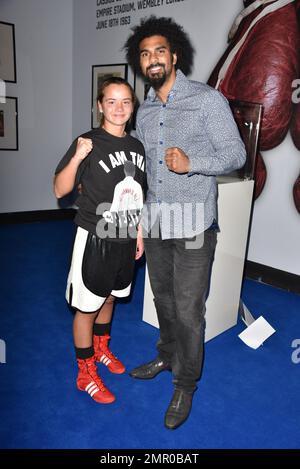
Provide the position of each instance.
(108, 164)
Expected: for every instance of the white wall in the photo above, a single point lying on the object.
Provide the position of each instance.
(43, 31)
(275, 232)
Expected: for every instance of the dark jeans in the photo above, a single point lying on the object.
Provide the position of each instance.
(179, 279)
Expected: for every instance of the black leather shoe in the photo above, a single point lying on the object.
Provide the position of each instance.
(150, 370)
(179, 409)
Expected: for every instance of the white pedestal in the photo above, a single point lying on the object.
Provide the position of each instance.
(234, 208)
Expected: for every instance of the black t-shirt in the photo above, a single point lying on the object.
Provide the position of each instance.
(113, 180)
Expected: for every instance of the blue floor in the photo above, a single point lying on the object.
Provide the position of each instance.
(246, 398)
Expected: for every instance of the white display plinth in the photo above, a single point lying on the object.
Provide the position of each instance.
(234, 210)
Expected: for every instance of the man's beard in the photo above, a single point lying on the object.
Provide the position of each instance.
(157, 81)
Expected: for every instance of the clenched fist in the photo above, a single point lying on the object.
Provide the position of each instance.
(177, 160)
(83, 148)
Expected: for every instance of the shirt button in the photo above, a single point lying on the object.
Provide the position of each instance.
(160, 162)
(160, 181)
(161, 142)
(161, 123)
(164, 105)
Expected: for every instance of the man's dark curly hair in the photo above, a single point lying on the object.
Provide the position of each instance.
(177, 38)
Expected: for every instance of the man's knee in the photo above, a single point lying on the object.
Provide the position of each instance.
(190, 311)
(164, 299)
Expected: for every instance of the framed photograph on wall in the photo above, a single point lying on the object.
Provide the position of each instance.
(141, 89)
(7, 53)
(99, 74)
(9, 124)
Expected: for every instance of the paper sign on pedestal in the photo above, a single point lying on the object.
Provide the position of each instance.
(257, 333)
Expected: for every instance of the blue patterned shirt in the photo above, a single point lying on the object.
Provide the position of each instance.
(197, 119)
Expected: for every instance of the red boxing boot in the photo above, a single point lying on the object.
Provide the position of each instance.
(105, 356)
(89, 381)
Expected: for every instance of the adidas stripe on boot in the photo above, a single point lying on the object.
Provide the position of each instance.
(105, 356)
(88, 380)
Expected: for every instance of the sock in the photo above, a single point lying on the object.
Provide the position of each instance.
(102, 329)
(84, 353)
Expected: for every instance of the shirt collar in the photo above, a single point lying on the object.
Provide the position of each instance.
(179, 84)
